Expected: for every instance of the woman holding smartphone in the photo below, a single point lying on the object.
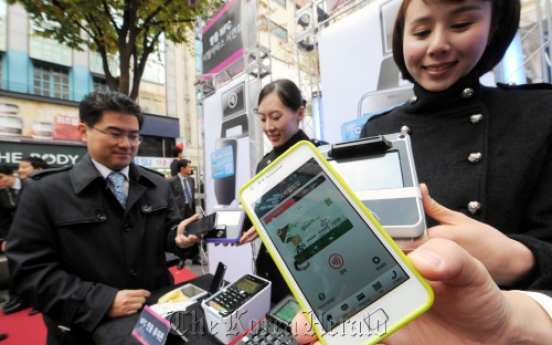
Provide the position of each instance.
(484, 153)
(280, 109)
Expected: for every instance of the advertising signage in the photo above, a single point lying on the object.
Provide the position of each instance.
(55, 155)
(222, 39)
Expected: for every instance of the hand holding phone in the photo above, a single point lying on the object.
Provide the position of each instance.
(345, 271)
(201, 226)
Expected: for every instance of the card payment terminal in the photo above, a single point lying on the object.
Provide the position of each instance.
(237, 307)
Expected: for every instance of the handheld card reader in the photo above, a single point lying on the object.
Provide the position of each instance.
(237, 307)
(381, 172)
(276, 328)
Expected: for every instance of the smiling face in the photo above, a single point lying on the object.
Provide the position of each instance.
(106, 149)
(279, 122)
(24, 169)
(444, 40)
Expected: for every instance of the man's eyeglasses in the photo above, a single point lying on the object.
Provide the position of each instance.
(133, 138)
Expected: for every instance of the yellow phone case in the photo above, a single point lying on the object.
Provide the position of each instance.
(344, 187)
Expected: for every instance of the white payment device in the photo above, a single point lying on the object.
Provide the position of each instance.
(237, 307)
(381, 172)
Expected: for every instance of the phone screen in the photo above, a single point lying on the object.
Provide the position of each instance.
(337, 261)
(288, 311)
(202, 225)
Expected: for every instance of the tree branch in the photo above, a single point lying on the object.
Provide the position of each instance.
(111, 19)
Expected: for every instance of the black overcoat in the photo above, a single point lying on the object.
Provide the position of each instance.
(486, 152)
(70, 235)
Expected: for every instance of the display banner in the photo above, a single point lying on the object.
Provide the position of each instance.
(42, 121)
(228, 113)
(359, 76)
(222, 39)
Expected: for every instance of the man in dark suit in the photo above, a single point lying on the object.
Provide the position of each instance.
(10, 186)
(88, 241)
(183, 186)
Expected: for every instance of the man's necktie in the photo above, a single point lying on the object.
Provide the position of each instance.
(117, 180)
(12, 195)
(187, 192)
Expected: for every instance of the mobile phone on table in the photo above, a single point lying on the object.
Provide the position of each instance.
(218, 278)
(349, 277)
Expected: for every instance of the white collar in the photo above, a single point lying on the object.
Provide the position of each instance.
(16, 184)
(105, 171)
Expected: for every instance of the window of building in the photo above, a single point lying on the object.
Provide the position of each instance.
(155, 146)
(96, 63)
(281, 3)
(100, 84)
(3, 26)
(280, 32)
(275, 29)
(48, 49)
(50, 81)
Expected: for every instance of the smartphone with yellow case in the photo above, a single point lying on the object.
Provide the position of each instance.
(350, 278)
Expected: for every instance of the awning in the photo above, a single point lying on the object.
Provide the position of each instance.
(160, 126)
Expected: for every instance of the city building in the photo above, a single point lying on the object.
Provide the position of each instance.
(43, 81)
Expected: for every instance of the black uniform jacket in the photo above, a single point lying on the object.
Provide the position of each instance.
(486, 152)
(265, 266)
(71, 235)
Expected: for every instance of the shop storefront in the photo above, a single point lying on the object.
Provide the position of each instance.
(50, 131)
(56, 154)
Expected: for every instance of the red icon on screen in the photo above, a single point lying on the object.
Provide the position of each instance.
(336, 261)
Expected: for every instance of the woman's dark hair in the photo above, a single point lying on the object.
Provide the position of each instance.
(287, 92)
(93, 105)
(504, 25)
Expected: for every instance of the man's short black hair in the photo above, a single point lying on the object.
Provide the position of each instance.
(6, 169)
(183, 163)
(175, 151)
(94, 104)
(36, 162)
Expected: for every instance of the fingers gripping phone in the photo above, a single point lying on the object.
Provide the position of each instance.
(201, 226)
(222, 226)
(348, 275)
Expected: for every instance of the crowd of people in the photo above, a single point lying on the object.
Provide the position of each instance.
(87, 242)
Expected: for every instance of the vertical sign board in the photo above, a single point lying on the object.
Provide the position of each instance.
(222, 38)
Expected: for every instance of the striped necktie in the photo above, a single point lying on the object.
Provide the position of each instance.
(117, 180)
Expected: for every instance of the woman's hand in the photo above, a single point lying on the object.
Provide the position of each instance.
(181, 239)
(506, 260)
(469, 308)
(248, 236)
